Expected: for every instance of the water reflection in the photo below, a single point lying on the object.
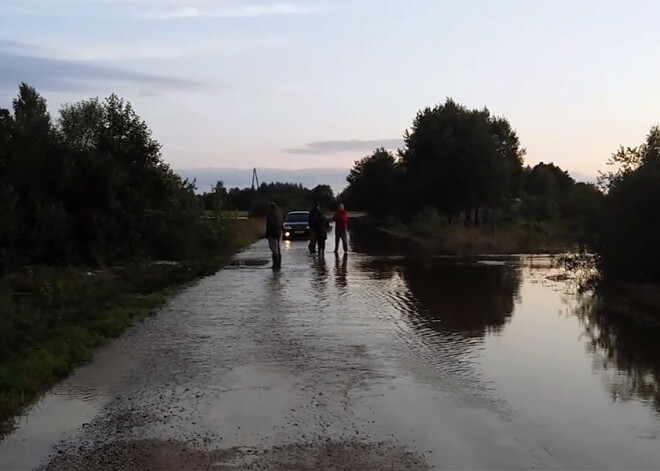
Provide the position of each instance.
(370, 241)
(378, 268)
(340, 270)
(320, 276)
(473, 299)
(626, 350)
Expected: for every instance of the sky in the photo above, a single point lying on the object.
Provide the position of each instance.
(301, 89)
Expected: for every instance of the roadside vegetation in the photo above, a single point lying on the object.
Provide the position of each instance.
(95, 228)
(626, 242)
(254, 202)
(460, 184)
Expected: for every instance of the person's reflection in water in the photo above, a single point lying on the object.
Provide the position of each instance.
(275, 290)
(320, 278)
(340, 270)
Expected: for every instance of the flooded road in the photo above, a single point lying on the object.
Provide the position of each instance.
(370, 361)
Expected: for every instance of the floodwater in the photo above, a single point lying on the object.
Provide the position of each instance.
(376, 360)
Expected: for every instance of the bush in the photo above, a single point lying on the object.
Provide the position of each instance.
(426, 223)
(629, 230)
(91, 188)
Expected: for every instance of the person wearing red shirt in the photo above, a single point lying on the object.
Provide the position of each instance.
(341, 224)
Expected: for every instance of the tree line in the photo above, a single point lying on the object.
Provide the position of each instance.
(90, 187)
(467, 166)
(288, 196)
(629, 225)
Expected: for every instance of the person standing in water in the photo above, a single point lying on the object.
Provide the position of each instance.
(341, 226)
(274, 233)
(314, 214)
(318, 226)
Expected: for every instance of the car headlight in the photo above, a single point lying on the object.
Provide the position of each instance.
(286, 227)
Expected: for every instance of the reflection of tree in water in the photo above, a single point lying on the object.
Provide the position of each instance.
(371, 241)
(471, 299)
(620, 344)
(378, 268)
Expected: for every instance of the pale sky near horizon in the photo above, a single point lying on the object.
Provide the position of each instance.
(304, 84)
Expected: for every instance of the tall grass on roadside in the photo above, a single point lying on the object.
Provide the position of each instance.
(433, 231)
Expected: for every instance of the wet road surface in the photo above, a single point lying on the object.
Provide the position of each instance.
(370, 361)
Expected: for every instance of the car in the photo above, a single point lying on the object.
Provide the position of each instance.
(296, 225)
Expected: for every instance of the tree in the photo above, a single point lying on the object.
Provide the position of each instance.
(548, 179)
(31, 115)
(582, 207)
(7, 201)
(239, 199)
(456, 159)
(91, 188)
(373, 183)
(37, 168)
(82, 124)
(511, 155)
(546, 190)
(215, 199)
(324, 196)
(629, 229)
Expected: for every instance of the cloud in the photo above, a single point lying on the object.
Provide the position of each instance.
(242, 11)
(121, 49)
(19, 47)
(158, 9)
(350, 145)
(61, 74)
(148, 93)
(166, 48)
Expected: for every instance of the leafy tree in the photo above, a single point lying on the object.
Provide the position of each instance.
(323, 195)
(374, 183)
(289, 196)
(456, 159)
(546, 189)
(7, 216)
(36, 167)
(627, 243)
(548, 179)
(81, 124)
(583, 206)
(239, 199)
(91, 187)
(215, 199)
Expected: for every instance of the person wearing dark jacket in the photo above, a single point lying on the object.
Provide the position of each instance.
(274, 233)
(314, 214)
(318, 227)
(341, 226)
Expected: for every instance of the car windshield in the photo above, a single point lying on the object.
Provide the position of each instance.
(297, 217)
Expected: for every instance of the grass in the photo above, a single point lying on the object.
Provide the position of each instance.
(227, 214)
(52, 318)
(459, 240)
(434, 235)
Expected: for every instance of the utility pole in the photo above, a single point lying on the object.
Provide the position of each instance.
(255, 178)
